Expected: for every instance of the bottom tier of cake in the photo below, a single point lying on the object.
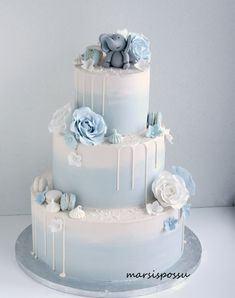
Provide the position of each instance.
(107, 244)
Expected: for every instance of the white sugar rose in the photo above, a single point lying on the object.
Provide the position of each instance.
(170, 190)
(60, 117)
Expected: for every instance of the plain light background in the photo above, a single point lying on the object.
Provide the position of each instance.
(192, 83)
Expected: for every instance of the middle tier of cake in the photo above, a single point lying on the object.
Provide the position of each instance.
(108, 175)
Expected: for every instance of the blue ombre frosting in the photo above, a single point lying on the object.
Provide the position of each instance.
(70, 141)
(104, 179)
(121, 97)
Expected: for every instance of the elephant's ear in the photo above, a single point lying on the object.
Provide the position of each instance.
(128, 44)
(103, 42)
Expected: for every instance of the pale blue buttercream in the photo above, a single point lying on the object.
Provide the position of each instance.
(106, 261)
(126, 113)
(70, 140)
(96, 188)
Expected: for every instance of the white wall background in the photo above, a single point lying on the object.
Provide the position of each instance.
(192, 83)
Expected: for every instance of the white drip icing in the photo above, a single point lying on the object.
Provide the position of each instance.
(33, 226)
(103, 94)
(92, 93)
(35, 235)
(182, 239)
(53, 251)
(133, 168)
(76, 87)
(45, 234)
(145, 174)
(118, 169)
(63, 274)
(156, 159)
(83, 90)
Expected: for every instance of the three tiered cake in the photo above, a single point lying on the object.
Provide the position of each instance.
(110, 210)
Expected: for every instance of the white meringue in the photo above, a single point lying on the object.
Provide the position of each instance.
(77, 213)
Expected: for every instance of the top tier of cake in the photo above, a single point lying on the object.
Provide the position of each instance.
(112, 78)
(120, 96)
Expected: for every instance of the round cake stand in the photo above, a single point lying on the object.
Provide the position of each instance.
(42, 273)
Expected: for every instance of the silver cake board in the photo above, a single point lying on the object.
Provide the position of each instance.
(43, 274)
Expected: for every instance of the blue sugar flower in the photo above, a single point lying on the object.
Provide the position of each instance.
(70, 141)
(188, 179)
(170, 224)
(139, 48)
(89, 128)
(186, 210)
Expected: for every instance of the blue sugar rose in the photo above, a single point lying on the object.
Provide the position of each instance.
(187, 177)
(140, 48)
(88, 127)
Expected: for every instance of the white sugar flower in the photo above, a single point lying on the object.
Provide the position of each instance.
(142, 64)
(167, 134)
(170, 190)
(153, 208)
(56, 225)
(88, 64)
(59, 119)
(74, 159)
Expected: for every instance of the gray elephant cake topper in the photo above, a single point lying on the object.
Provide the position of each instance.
(116, 47)
(118, 50)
